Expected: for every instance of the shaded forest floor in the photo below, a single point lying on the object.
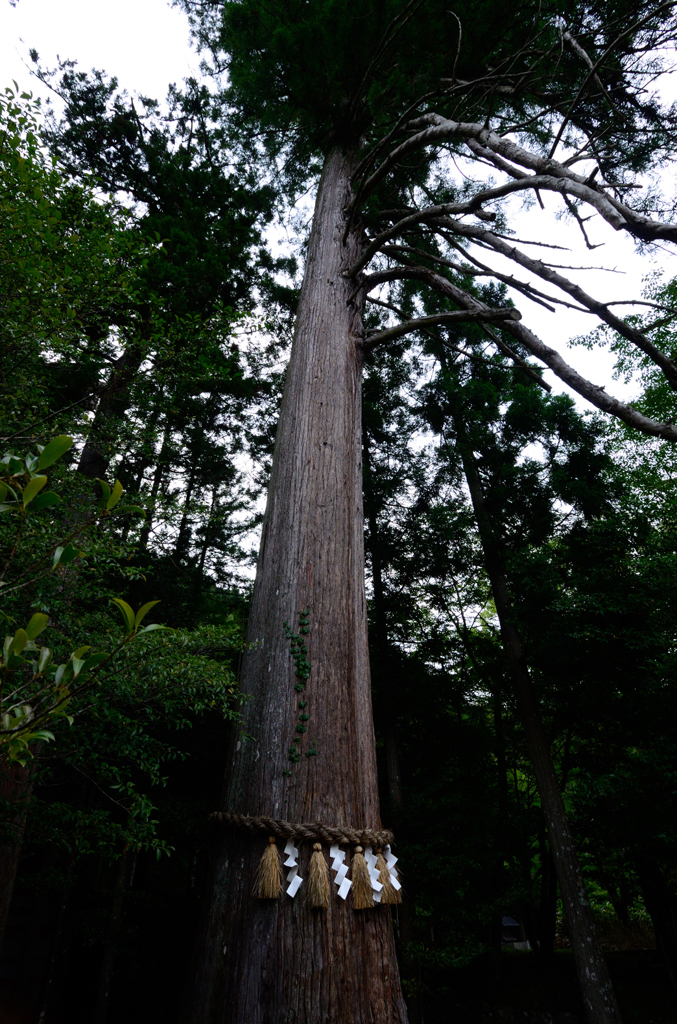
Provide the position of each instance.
(527, 991)
(523, 991)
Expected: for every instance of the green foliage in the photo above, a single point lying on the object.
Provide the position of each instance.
(139, 315)
(307, 74)
(591, 560)
(118, 336)
(35, 693)
(69, 267)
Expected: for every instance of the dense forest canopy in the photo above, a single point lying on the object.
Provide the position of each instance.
(510, 713)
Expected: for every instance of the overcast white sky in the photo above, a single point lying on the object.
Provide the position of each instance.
(145, 43)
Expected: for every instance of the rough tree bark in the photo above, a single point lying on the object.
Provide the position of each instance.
(593, 976)
(278, 961)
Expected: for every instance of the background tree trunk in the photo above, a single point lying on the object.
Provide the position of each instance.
(662, 907)
(123, 875)
(16, 788)
(113, 404)
(593, 975)
(547, 924)
(275, 961)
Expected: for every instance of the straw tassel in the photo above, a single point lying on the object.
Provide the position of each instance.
(318, 880)
(389, 894)
(268, 885)
(363, 894)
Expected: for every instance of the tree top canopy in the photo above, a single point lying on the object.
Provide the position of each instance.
(305, 74)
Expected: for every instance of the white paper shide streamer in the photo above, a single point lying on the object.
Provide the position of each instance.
(341, 868)
(293, 878)
(391, 861)
(376, 885)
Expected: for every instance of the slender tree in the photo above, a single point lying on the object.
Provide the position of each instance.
(204, 214)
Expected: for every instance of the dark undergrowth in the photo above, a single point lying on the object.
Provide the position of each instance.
(521, 987)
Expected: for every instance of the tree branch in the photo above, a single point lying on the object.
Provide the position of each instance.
(436, 129)
(594, 394)
(409, 272)
(593, 68)
(485, 315)
(545, 272)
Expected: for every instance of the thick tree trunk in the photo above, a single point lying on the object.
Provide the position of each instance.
(278, 961)
(384, 665)
(593, 975)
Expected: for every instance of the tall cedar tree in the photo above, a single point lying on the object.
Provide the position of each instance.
(202, 213)
(382, 101)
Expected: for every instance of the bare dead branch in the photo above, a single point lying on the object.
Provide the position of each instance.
(594, 394)
(507, 351)
(424, 322)
(545, 272)
(410, 271)
(581, 223)
(479, 270)
(595, 67)
(547, 174)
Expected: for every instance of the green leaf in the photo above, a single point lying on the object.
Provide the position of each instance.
(105, 492)
(70, 554)
(149, 629)
(64, 555)
(94, 660)
(126, 612)
(19, 642)
(44, 659)
(131, 508)
(57, 447)
(4, 491)
(143, 611)
(37, 623)
(32, 488)
(44, 501)
(80, 651)
(77, 665)
(116, 494)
